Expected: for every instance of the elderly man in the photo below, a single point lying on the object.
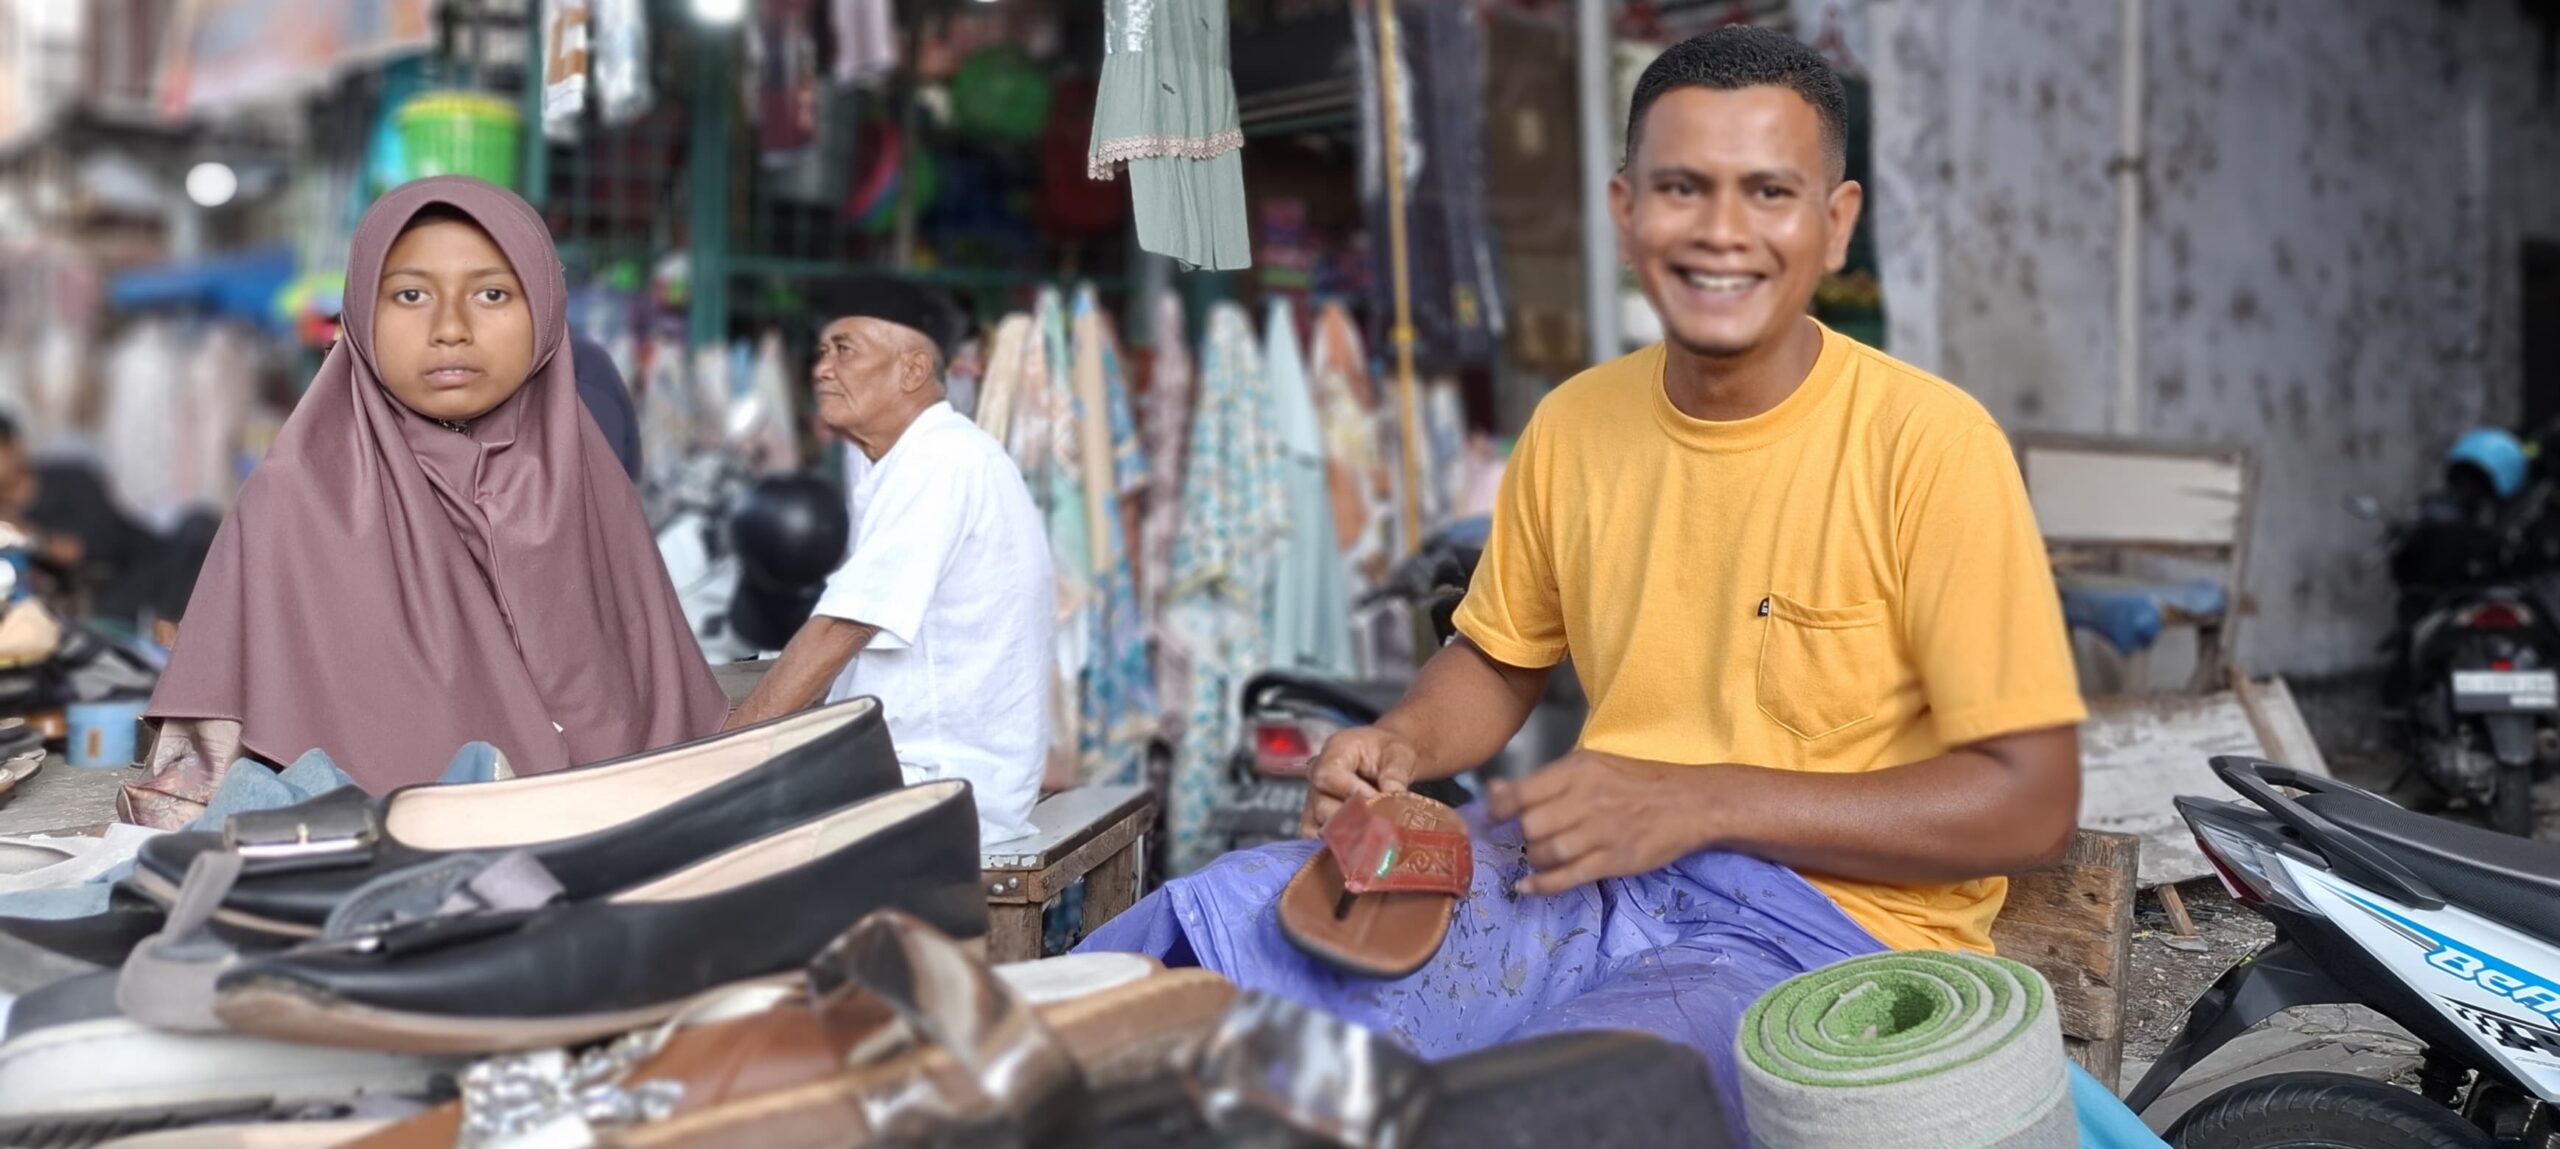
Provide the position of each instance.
(945, 610)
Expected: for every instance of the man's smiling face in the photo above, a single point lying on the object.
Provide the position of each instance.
(1730, 215)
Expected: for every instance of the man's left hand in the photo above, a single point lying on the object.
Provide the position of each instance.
(1591, 816)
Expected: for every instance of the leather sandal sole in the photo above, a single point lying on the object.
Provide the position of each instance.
(161, 890)
(290, 1011)
(1387, 935)
(1118, 1038)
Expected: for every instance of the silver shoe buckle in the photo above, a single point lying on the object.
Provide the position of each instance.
(288, 839)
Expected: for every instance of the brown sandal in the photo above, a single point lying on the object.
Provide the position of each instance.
(1376, 901)
(888, 1038)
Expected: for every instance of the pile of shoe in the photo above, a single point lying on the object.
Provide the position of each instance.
(759, 939)
(348, 952)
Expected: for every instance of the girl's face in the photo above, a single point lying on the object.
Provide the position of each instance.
(452, 333)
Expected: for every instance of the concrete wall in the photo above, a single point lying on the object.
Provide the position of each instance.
(2336, 195)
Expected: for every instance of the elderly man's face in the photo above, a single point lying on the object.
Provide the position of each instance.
(862, 375)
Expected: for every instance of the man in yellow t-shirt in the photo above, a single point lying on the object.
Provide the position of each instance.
(1799, 579)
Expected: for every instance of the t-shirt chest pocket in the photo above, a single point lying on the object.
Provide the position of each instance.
(1822, 669)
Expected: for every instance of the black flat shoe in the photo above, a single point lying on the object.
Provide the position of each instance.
(596, 828)
(574, 972)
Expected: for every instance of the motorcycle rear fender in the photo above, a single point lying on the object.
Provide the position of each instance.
(2276, 978)
(2511, 738)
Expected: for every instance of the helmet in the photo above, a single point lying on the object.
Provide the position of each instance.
(789, 531)
(2494, 454)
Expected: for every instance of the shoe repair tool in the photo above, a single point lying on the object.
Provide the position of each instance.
(1376, 901)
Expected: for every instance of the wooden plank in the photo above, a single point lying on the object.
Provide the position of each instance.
(2073, 923)
(2068, 958)
(1013, 932)
(2176, 907)
(2103, 1060)
(1051, 880)
(2064, 897)
(2090, 1013)
(2281, 726)
(1063, 822)
(2137, 754)
(1111, 888)
(2112, 495)
(2087, 890)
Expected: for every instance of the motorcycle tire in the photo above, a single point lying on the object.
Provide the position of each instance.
(2303, 1110)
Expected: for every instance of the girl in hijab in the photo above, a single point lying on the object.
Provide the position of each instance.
(440, 548)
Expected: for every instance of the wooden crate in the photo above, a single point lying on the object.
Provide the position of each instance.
(1091, 834)
(2073, 922)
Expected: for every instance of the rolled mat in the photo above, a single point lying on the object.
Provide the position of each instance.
(1911, 1050)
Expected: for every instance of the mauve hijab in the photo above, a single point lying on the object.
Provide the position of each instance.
(388, 589)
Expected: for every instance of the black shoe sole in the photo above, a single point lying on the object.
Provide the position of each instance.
(1597, 1090)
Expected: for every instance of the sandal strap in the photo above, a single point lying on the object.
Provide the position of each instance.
(1010, 1065)
(1380, 855)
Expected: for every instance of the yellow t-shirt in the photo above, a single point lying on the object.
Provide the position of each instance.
(1849, 581)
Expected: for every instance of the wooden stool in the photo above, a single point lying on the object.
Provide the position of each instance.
(1091, 834)
(2072, 921)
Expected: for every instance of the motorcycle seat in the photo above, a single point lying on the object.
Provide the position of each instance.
(1361, 700)
(2512, 880)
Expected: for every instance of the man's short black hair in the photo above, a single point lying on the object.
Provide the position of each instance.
(1741, 56)
(8, 430)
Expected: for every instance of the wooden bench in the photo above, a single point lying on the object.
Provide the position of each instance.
(2073, 922)
(1092, 835)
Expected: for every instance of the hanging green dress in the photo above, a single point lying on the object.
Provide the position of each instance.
(1166, 112)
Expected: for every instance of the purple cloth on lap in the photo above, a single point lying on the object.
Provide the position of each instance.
(1680, 952)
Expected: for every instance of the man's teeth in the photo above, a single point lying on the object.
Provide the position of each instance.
(1705, 282)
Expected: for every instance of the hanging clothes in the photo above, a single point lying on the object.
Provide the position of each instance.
(1168, 426)
(1166, 112)
(137, 438)
(1310, 598)
(1222, 568)
(620, 47)
(782, 53)
(1003, 379)
(1444, 425)
(1042, 439)
(1118, 698)
(1456, 289)
(212, 407)
(866, 41)
(668, 407)
(1355, 462)
(761, 428)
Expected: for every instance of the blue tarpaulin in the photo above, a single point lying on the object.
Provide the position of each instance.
(240, 285)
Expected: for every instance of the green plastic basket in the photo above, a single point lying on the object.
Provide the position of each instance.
(464, 134)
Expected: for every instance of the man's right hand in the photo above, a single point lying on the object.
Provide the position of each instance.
(1356, 763)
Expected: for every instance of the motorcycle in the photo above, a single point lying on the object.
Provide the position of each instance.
(2474, 657)
(1288, 716)
(693, 540)
(749, 556)
(2451, 931)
